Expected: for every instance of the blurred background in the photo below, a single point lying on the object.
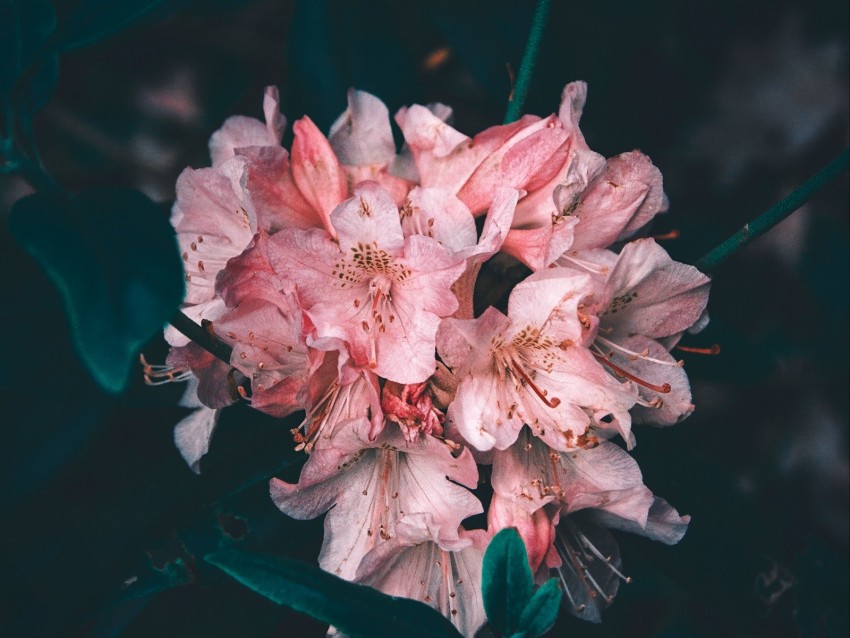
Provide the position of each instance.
(103, 525)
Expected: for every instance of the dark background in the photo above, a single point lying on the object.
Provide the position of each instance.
(103, 525)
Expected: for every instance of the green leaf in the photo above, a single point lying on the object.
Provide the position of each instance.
(27, 74)
(356, 610)
(541, 612)
(93, 20)
(506, 581)
(113, 256)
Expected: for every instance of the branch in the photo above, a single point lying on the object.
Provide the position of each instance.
(529, 57)
(201, 336)
(770, 218)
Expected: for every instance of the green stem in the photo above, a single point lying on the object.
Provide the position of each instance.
(529, 57)
(767, 220)
(201, 336)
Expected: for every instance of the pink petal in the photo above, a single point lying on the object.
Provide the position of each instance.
(316, 170)
(371, 216)
(536, 528)
(373, 487)
(212, 224)
(663, 522)
(272, 193)
(240, 131)
(449, 581)
(516, 161)
(437, 213)
(618, 202)
(665, 297)
(362, 134)
(675, 405)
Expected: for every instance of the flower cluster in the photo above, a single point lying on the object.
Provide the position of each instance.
(342, 275)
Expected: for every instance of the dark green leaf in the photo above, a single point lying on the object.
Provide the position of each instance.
(25, 26)
(113, 255)
(354, 609)
(542, 610)
(93, 20)
(506, 581)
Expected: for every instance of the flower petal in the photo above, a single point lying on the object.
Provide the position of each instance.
(362, 134)
(317, 171)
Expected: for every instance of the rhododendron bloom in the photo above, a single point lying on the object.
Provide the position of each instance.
(342, 277)
(369, 487)
(530, 368)
(646, 303)
(381, 293)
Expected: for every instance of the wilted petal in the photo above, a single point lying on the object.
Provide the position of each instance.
(193, 433)
(590, 578)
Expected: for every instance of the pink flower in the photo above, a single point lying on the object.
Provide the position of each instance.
(645, 304)
(562, 503)
(530, 368)
(445, 576)
(368, 488)
(377, 291)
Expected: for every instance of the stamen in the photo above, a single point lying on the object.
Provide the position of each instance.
(554, 402)
(638, 355)
(628, 375)
(162, 374)
(585, 541)
(713, 350)
(673, 234)
(587, 265)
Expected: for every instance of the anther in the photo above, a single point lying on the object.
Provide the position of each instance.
(713, 350)
(673, 234)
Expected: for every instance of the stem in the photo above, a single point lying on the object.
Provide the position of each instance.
(767, 220)
(529, 57)
(201, 336)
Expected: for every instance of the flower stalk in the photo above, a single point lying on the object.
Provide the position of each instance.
(770, 218)
(529, 58)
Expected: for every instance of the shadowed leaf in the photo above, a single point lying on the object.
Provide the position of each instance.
(113, 256)
(356, 610)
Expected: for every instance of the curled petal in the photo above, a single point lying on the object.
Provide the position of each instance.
(240, 131)
(362, 134)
